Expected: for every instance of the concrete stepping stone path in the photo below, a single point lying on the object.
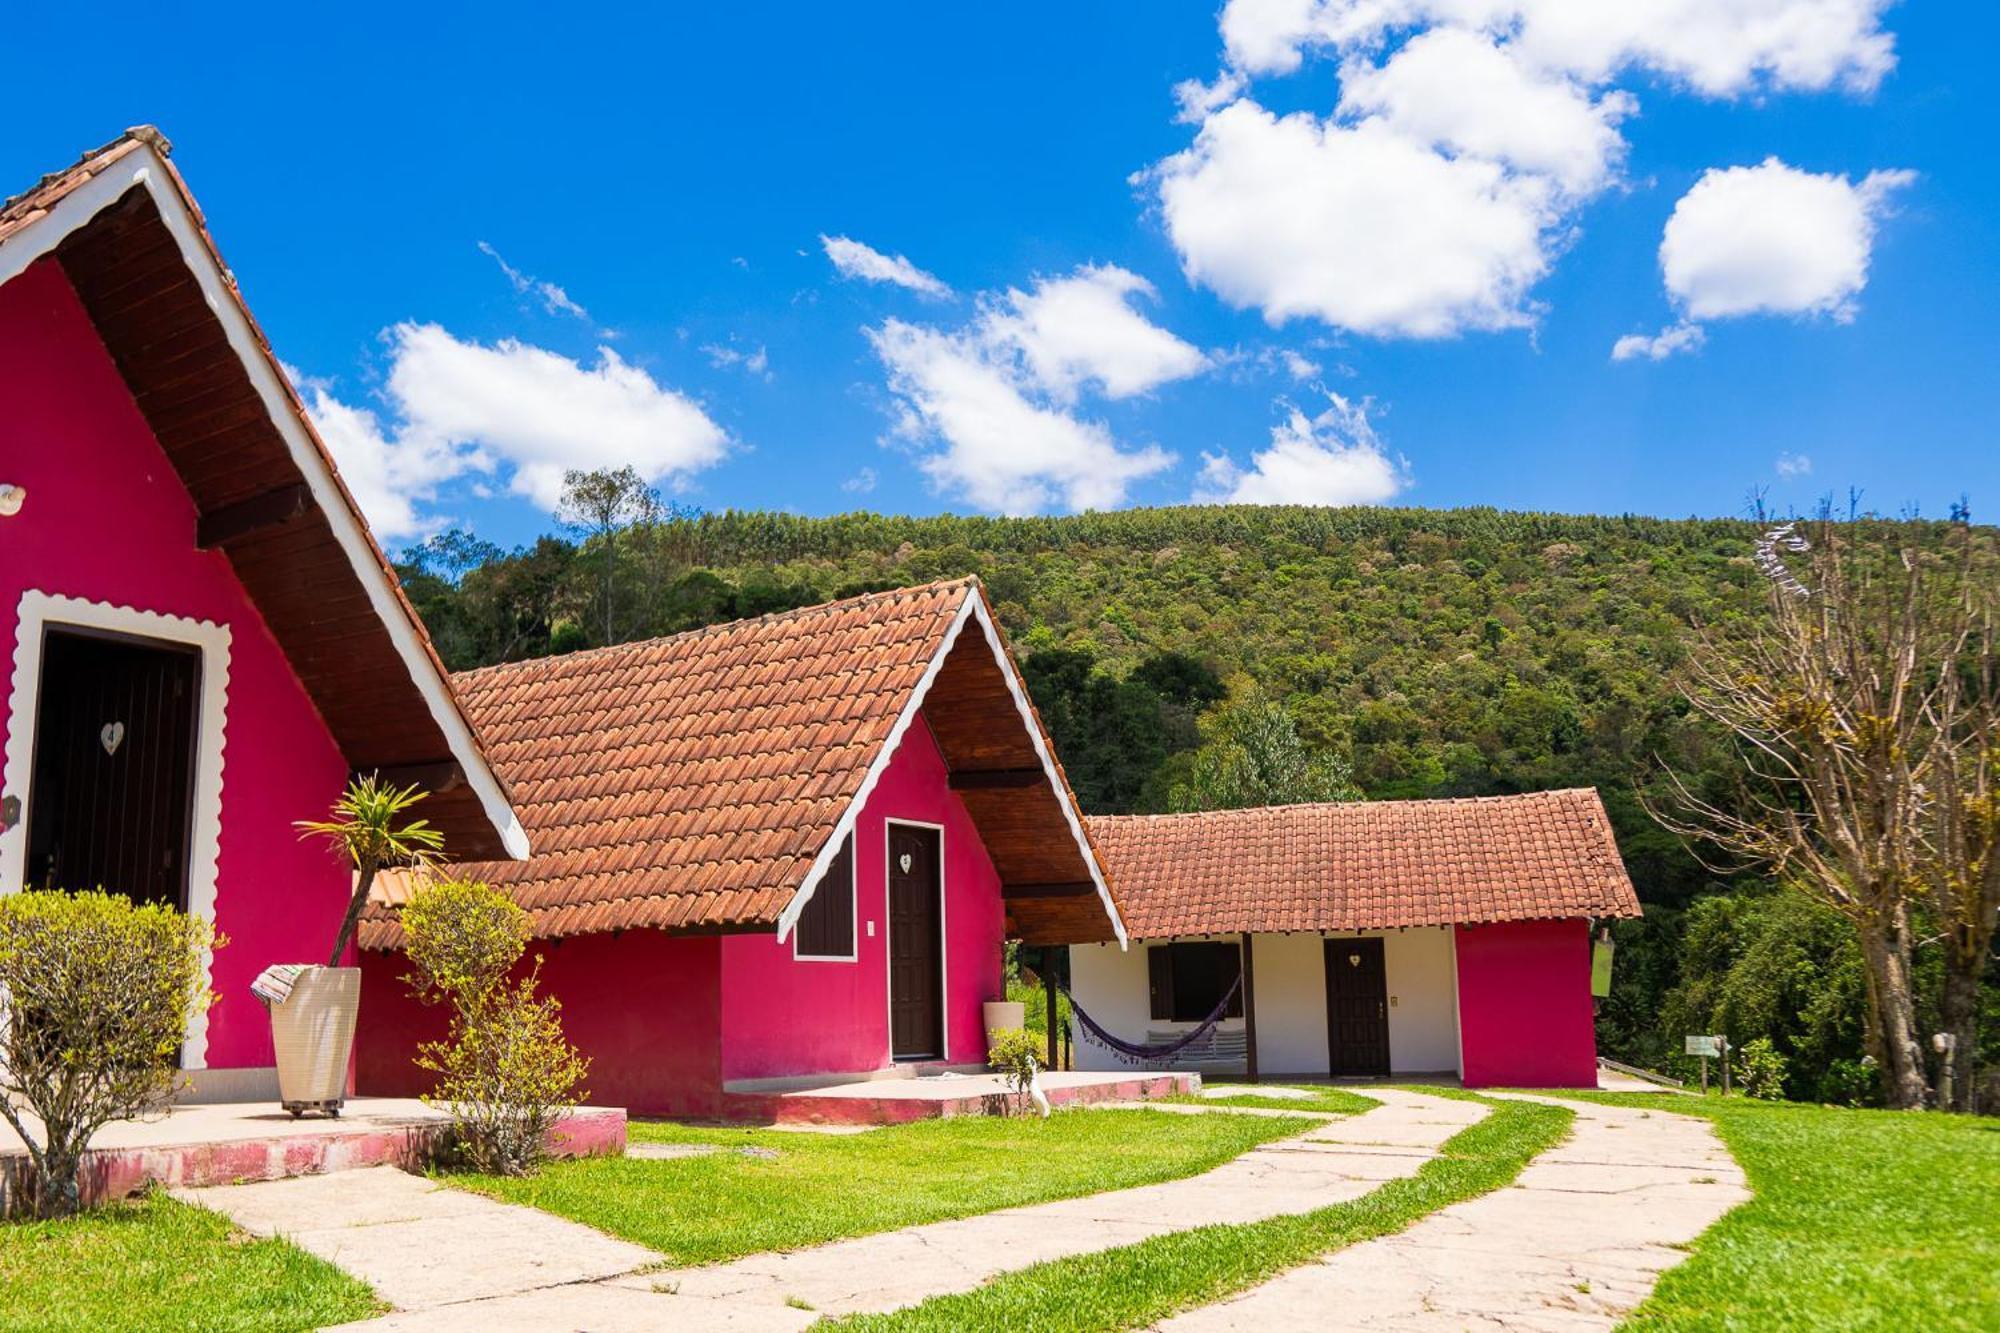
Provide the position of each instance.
(1575, 1243)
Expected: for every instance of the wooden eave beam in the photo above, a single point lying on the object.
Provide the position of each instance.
(245, 518)
(440, 776)
(1076, 888)
(985, 779)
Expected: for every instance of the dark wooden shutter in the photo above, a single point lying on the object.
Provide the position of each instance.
(826, 926)
(1160, 980)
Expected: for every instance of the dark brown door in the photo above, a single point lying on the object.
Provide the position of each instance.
(1357, 1008)
(916, 956)
(110, 800)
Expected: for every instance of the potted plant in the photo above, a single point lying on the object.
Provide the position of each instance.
(313, 1008)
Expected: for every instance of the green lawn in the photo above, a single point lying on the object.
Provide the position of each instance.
(1862, 1219)
(1337, 1100)
(806, 1189)
(1135, 1285)
(155, 1263)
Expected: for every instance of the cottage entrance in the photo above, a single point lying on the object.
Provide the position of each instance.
(916, 943)
(1357, 1008)
(110, 802)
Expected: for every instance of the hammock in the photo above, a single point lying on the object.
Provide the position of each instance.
(1129, 1051)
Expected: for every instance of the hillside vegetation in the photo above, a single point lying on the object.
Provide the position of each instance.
(1425, 652)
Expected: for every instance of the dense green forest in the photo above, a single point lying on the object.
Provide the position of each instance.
(1387, 652)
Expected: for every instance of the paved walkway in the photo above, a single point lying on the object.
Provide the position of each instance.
(456, 1261)
(1575, 1243)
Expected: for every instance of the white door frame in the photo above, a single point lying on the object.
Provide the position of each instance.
(39, 612)
(888, 951)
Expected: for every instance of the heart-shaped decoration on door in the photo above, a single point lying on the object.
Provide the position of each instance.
(905, 862)
(1354, 960)
(111, 736)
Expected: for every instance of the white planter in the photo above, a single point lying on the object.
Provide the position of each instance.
(999, 1014)
(313, 1032)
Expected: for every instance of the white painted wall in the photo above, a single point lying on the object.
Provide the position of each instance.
(1290, 978)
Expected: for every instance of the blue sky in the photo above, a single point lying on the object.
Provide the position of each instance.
(1365, 261)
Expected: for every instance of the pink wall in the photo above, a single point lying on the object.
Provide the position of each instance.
(107, 520)
(783, 1017)
(1524, 1008)
(645, 1007)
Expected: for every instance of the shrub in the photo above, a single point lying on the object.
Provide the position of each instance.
(1011, 1052)
(98, 991)
(462, 937)
(1762, 1070)
(505, 1071)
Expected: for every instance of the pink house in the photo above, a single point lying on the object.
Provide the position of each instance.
(199, 641)
(780, 850)
(1361, 939)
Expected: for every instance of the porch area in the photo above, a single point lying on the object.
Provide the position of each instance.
(222, 1143)
(892, 1101)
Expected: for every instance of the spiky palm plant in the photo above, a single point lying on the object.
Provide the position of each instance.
(367, 830)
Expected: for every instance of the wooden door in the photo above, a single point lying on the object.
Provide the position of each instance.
(916, 943)
(1357, 1008)
(110, 802)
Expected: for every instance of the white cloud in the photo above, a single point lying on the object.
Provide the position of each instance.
(854, 260)
(1773, 239)
(553, 298)
(510, 410)
(860, 483)
(1000, 448)
(1297, 366)
(756, 364)
(1466, 136)
(1459, 90)
(1792, 466)
(1715, 47)
(1334, 458)
(1081, 329)
(1362, 227)
(1675, 338)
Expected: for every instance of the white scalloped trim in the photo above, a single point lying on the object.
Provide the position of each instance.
(37, 611)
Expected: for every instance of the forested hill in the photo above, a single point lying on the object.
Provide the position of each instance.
(1435, 652)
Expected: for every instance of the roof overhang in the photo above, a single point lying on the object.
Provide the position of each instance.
(123, 221)
(1054, 890)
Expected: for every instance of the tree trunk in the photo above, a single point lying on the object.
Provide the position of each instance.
(363, 878)
(1885, 950)
(1958, 1013)
(58, 1192)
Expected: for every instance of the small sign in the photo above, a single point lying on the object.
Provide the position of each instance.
(1704, 1046)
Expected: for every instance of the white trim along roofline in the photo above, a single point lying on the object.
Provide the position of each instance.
(973, 608)
(144, 168)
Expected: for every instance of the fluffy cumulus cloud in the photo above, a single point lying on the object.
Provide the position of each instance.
(1446, 179)
(994, 406)
(508, 410)
(1772, 239)
(1670, 341)
(852, 259)
(1330, 459)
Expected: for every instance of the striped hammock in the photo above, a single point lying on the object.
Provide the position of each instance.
(1128, 1051)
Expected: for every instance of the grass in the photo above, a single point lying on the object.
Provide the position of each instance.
(156, 1263)
(1861, 1219)
(1324, 1099)
(1136, 1285)
(807, 1189)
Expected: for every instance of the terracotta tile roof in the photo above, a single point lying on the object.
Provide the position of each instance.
(1365, 865)
(689, 782)
(32, 204)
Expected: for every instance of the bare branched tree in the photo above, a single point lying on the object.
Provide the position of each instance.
(1963, 871)
(1829, 699)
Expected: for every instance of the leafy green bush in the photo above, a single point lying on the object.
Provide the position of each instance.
(95, 996)
(1760, 1070)
(462, 937)
(1012, 1054)
(504, 1070)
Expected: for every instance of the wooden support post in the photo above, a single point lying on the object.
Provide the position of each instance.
(1049, 987)
(1249, 1012)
